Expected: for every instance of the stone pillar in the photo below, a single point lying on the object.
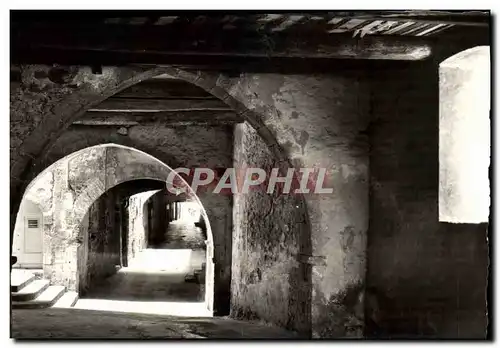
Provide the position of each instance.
(219, 212)
(125, 231)
(159, 219)
(112, 234)
(321, 122)
(337, 118)
(60, 245)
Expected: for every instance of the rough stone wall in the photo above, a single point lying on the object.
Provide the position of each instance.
(103, 239)
(268, 282)
(83, 255)
(158, 227)
(190, 146)
(41, 191)
(138, 223)
(123, 164)
(219, 212)
(87, 166)
(61, 241)
(321, 121)
(425, 277)
(99, 251)
(41, 106)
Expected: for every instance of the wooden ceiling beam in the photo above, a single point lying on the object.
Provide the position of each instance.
(154, 44)
(91, 118)
(158, 17)
(478, 20)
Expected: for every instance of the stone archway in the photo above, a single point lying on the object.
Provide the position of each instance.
(43, 109)
(75, 191)
(93, 90)
(50, 102)
(218, 207)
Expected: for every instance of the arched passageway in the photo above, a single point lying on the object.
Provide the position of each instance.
(156, 279)
(287, 277)
(186, 227)
(82, 203)
(368, 256)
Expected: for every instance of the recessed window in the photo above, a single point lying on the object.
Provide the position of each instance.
(464, 137)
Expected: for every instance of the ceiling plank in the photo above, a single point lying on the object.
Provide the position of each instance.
(465, 18)
(288, 22)
(413, 30)
(436, 31)
(398, 28)
(350, 25)
(432, 29)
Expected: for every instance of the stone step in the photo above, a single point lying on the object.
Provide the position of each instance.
(30, 291)
(67, 300)
(44, 300)
(19, 279)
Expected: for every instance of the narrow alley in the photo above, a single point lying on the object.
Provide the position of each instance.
(166, 278)
(250, 174)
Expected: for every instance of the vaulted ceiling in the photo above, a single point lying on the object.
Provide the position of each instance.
(160, 101)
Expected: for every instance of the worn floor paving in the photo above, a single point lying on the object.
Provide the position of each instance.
(143, 284)
(138, 303)
(154, 283)
(74, 323)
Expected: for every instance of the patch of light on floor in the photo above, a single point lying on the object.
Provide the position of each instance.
(161, 262)
(174, 261)
(180, 309)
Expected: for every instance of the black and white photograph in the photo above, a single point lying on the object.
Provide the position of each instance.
(280, 175)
